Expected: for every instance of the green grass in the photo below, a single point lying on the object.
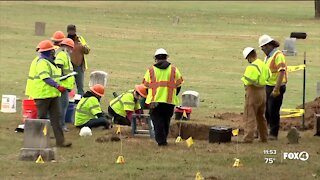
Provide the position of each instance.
(206, 46)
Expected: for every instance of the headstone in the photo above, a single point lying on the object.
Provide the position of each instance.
(8, 104)
(37, 140)
(290, 47)
(98, 77)
(293, 136)
(190, 99)
(40, 28)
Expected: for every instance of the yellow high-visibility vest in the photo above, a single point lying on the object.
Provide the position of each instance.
(84, 43)
(124, 102)
(87, 109)
(63, 58)
(257, 73)
(162, 84)
(45, 69)
(277, 63)
(31, 75)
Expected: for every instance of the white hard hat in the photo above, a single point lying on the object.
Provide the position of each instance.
(247, 51)
(85, 131)
(264, 39)
(160, 51)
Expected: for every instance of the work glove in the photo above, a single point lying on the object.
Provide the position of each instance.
(61, 89)
(275, 93)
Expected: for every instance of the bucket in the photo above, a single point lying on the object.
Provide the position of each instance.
(8, 104)
(29, 110)
(179, 113)
(70, 113)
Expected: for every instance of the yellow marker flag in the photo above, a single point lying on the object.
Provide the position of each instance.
(185, 114)
(236, 162)
(199, 176)
(235, 132)
(39, 160)
(120, 160)
(118, 130)
(179, 139)
(295, 68)
(45, 130)
(189, 141)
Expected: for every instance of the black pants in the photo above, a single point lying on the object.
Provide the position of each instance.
(161, 116)
(96, 122)
(117, 119)
(51, 106)
(273, 109)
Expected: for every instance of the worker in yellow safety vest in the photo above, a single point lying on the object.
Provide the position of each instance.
(123, 106)
(64, 63)
(89, 112)
(46, 90)
(163, 81)
(276, 86)
(32, 74)
(57, 38)
(78, 58)
(255, 79)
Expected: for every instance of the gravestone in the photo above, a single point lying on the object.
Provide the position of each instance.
(290, 47)
(40, 28)
(37, 140)
(190, 99)
(98, 77)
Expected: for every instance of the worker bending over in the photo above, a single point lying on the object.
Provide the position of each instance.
(123, 106)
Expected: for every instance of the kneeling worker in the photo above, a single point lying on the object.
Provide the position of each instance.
(89, 112)
(123, 106)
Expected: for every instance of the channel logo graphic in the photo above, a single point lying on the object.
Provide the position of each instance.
(302, 156)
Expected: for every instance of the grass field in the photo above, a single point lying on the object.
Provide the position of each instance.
(206, 45)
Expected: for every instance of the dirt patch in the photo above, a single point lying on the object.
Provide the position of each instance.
(196, 131)
(311, 108)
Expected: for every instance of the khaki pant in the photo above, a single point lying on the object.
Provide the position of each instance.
(254, 111)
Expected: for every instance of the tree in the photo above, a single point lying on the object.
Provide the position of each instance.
(317, 8)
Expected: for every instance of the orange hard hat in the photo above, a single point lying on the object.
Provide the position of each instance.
(98, 89)
(58, 36)
(38, 47)
(141, 89)
(45, 45)
(68, 42)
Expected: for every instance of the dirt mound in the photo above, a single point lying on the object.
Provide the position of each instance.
(311, 108)
(230, 116)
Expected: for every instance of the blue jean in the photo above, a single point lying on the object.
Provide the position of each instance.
(79, 78)
(96, 122)
(64, 103)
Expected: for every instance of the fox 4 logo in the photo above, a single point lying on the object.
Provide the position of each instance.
(302, 156)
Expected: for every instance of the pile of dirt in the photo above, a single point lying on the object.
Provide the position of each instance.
(311, 108)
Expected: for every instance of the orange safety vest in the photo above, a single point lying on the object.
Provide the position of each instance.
(274, 67)
(169, 85)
